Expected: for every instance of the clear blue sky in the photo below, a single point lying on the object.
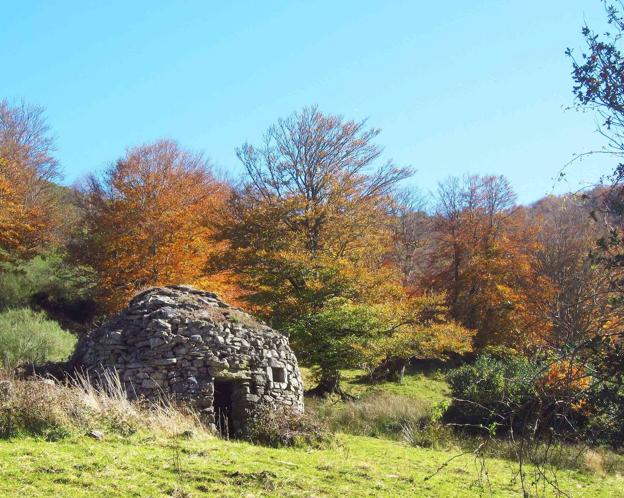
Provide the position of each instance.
(455, 86)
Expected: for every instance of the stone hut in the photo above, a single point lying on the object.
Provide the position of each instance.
(186, 344)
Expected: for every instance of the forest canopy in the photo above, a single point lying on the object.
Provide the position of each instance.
(319, 237)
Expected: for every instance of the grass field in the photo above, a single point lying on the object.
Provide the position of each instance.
(429, 387)
(146, 465)
(356, 466)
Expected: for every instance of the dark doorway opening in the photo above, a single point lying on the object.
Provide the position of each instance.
(222, 403)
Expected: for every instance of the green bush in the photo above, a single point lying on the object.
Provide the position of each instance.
(329, 337)
(605, 403)
(493, 389)
(501, 392)
(49, 274)
(29, 337)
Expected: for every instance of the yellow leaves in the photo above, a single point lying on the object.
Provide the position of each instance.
(416, 327)
(295, 250)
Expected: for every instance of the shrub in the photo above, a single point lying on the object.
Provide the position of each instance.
(29, 337)
(606, 414)
(532, 397)
(280, 426)
(491, 391)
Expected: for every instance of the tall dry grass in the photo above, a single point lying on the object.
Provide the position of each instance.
(376, 415)
(41, 407)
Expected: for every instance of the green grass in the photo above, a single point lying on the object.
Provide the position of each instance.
(357, 466)
(153, 463)
(430, 387)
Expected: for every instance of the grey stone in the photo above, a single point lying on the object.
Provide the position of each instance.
(178, 342)
(96, 435)
(149, 384)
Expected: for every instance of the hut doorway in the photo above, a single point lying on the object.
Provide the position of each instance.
(222, 403)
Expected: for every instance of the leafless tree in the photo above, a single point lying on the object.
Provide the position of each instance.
(25, 139)
(322, 159)
(413, 247)
(581, 303)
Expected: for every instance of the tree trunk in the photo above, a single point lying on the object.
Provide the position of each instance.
(392, 369)
(329, 384)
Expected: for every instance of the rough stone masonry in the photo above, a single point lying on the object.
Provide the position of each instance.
(186, 344)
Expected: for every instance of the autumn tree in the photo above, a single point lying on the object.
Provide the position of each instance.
(581, 302)
(598, 75)
(416, 327)
(311, 221)
(27, 170)
(483, 260)
(412, 246)
(148, 221)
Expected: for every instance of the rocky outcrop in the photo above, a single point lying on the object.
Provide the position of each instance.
(186, 344)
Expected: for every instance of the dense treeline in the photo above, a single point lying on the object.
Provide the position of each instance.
(319, 237)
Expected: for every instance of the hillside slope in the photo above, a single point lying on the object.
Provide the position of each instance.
(356, 466)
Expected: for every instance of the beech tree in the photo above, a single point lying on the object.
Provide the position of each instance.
(484, 261)
(581, 302)
(27, 170)
(148, 220)
(311, 222)
(412, 247)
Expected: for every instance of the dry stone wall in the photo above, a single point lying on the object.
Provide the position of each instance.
(187, 344)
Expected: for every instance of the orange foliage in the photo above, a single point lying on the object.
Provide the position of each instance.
(565, 379)
(27, 170)
(485, 261)
(149, 221)
(566, 375)
(24, 218)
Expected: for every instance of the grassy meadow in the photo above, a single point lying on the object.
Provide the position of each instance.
(356, 466)
(168, 456)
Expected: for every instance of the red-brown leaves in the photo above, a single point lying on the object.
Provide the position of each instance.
(149, 221)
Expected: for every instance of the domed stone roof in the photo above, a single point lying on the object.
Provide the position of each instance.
(186, 344)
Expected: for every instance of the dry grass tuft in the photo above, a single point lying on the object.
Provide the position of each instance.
(595, 462)
(375, 415)
(41, 407)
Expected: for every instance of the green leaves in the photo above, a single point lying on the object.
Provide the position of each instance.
(331, 336)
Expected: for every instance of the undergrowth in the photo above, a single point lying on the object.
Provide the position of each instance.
(43, 408)
(27, 336)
